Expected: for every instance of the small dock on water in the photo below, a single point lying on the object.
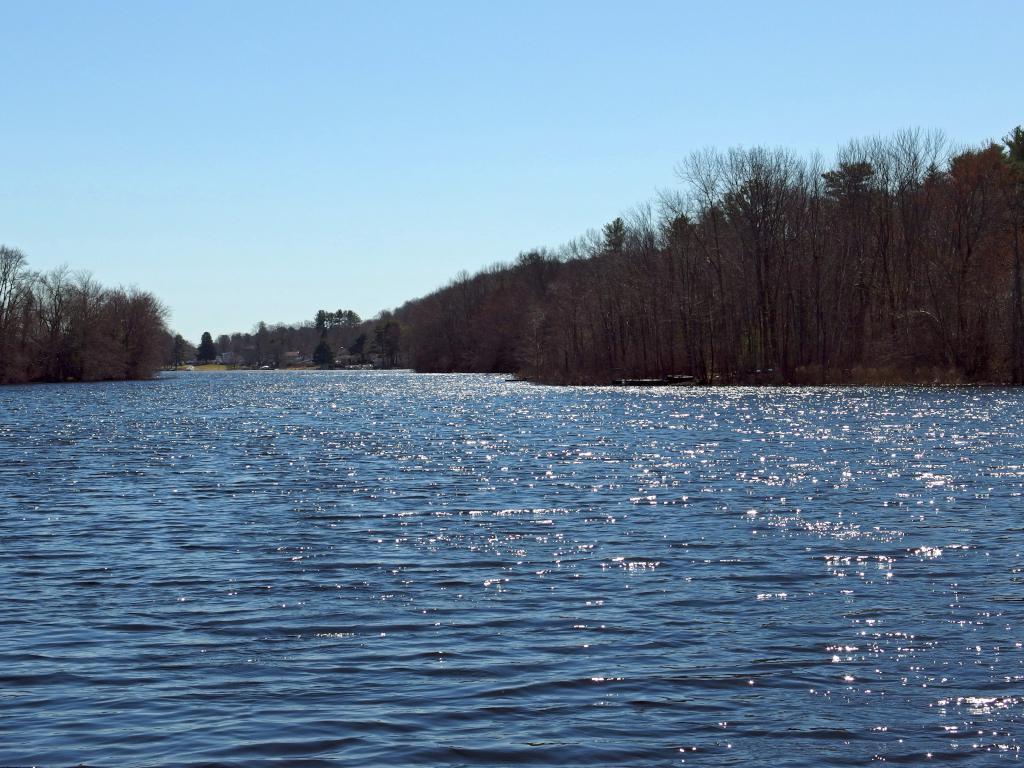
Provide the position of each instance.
(675, 380)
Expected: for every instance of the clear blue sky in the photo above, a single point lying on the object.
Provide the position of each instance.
(248, 160)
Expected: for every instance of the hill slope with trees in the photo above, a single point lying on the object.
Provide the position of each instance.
(899, 262)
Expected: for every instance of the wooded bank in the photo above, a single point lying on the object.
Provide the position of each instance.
(60, 326)
(899, 262)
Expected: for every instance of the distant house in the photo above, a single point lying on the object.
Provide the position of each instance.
(292, 358)
(229, 358)
(343, 358)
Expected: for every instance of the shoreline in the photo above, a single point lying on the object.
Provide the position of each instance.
(867, 382)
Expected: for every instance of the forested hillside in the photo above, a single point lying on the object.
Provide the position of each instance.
(899, 261)
(60, 326)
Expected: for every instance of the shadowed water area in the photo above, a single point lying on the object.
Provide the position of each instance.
(363, 568)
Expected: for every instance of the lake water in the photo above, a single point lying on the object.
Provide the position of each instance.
(376, 568)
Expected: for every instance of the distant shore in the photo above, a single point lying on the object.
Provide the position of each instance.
(220, 368)
(873, 378)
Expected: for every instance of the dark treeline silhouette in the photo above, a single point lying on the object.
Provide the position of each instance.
(60, 326)
(901, 261)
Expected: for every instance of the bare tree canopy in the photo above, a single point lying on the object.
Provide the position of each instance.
(61, 326)
(899, 263)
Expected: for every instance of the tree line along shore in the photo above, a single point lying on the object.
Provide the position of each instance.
(334, 339)
(899, 262)
(64, 326)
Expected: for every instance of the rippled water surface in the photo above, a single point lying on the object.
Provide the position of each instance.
(368, 568)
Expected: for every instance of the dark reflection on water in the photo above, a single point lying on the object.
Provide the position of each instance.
(388, 569)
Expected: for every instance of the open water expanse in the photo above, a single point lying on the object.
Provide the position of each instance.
(388, 569)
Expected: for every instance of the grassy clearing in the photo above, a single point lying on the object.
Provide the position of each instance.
(206, 368)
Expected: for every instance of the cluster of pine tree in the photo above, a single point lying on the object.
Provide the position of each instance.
(899, 262)
(60, 326)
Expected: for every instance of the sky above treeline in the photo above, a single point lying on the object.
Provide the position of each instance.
(252, 161)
